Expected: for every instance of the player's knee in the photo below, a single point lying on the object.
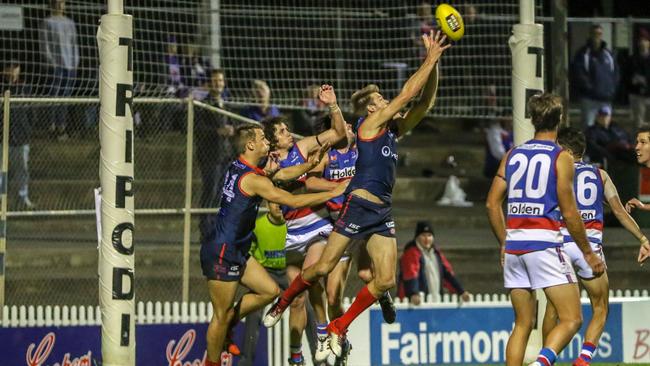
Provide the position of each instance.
(222, 315)
(365, 275)
(333, 298)
(574, 322)
(272, 294)
(323, 268)
(525, 324)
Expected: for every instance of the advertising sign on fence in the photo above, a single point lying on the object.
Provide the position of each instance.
(156, 344)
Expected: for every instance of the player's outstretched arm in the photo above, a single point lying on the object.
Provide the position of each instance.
(315, 181)
(413, 86)
(422, 107)
(569, 209)
(295, 171)
(334, 134)
(611, 195)
(494, 205)
(256, 185)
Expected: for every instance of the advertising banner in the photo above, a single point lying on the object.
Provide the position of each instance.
(468, 335)
(156, 344)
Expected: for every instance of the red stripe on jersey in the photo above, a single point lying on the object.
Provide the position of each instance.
(532, 223)
(594, 224)
(302, 212)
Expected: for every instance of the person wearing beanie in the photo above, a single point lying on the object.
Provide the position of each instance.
(607, 142)
(424, 269)
(639, 79)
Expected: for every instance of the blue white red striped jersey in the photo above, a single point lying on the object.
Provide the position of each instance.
(339, 168)
(590, 194)
(304, 220)
(533, 220)
(236, 218)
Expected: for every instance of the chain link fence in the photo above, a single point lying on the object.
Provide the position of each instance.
(51, 227)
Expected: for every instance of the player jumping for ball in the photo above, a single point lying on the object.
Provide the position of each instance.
(366, 213)
(224, 251)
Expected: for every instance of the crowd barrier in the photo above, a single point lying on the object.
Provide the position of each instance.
(448, 332)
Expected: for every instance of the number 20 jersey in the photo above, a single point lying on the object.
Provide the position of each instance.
(533, 217)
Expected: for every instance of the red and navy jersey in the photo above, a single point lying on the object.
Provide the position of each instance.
(533, 220)
(301, 222)
(590, 194)
(236, 218)
(339, 168)
(376, 164)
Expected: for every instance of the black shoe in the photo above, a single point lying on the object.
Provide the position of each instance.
(387, 308)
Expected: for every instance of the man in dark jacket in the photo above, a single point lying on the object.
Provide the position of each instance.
(607, 142)
(423, 268)
(639, 82)
(596, 76)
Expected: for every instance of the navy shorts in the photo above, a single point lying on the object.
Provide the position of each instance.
(223, 261)
(360, 218)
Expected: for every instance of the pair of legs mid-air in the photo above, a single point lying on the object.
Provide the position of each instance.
(263, 290)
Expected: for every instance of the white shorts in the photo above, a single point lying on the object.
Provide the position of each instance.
(539, 269)
(299, 244)
(578, 260)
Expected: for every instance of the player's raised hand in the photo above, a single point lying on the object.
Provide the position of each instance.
(632, 204)
(644, 251)
(326, 95)
(435, 44)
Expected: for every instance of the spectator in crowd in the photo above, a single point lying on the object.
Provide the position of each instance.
(424, 269)
(213, 132)
(20, 131)
(424, 24)
(196, 68)
(175, 85)
(268, 248)
(639, 83)
(264, 109)
(498, 138)
(596, 76)
(607, 142)
(60, 48)
(313, 110)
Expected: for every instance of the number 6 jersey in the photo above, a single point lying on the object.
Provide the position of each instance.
(533, 217)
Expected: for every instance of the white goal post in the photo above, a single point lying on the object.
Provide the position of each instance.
(116, 252)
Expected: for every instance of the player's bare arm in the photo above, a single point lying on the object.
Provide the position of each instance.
(378, 120)
(494, 205)
(334, 134)
(422, 107)
(611, 195)
(256, 185)
(315, 181)
(569, 209)
(295, 171)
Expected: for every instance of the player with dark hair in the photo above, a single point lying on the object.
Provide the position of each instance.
(642, 150)
(225, 258)
(307, 228)
(537, 178)
(592, 187)
(366, 213)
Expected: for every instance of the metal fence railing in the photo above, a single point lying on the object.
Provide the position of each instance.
(52, 238)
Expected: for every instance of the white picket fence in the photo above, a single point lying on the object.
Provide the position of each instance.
(197, 312)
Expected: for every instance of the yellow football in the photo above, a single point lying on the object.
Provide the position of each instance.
(450, 22)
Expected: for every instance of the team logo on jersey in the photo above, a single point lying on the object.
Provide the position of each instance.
(588, 214)
(342, 173)
(525, 208)
(387, 152)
